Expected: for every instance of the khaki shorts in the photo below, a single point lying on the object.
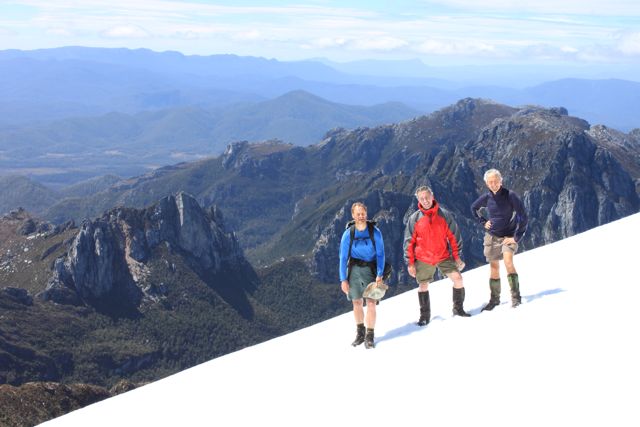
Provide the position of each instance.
(425, 272)
(494, 249)
(359, 278)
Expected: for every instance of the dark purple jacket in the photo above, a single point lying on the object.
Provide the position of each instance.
(506, 213)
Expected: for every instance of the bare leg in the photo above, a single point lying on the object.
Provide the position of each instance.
(456, 278)
(370, 322)
(358, 311)
(495, 269)
(508, 263)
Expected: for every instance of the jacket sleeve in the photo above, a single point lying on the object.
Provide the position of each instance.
(480, 202)
(343, 255)
(380, 257)
(453, 235)
(409, 243)
(521, 216)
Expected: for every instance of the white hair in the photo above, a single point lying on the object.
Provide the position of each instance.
(490, 172)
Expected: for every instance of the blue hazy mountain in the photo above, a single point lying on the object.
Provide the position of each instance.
(55, 83)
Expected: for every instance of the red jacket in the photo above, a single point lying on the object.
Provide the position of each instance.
(431, 236)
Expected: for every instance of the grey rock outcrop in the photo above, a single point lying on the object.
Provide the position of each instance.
(569, 180)
(107, 261)
(571, 176)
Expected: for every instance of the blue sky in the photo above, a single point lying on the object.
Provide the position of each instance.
(439, 32)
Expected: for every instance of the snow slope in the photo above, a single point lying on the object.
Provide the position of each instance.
(567, 356)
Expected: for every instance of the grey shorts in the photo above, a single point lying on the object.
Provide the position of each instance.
(359, 278)
(425, 272)
(494, 249)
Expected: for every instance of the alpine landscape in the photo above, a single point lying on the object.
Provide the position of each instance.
(159, 209)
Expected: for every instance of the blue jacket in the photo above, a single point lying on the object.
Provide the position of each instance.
(362, 248)
(506, 213)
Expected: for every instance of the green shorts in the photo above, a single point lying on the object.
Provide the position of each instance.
(359, 278)
(494, 249)
(425, 272)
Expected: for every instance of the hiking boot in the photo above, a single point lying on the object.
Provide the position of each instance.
(514, 284)
(360, 330)
(425, 308)
(458, 300)
(494, 285)
(368, 339)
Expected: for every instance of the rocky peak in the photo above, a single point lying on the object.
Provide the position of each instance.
(107, 260)
(235, 154)
(569, 180)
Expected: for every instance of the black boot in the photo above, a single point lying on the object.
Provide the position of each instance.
(494, 284)
(425, 308)
(458, 300)
(360, 329)
(368, 339)
(514, 284)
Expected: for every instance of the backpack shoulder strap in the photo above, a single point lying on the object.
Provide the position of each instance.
(370, 225)
(352, 234)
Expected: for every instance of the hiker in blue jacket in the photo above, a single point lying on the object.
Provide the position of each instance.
(504, 228)
(357, 270)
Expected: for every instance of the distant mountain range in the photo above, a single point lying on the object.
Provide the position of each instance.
(71, 114)
(73, 149)
(94, 81)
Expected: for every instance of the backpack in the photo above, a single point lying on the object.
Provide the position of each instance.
(351, 225)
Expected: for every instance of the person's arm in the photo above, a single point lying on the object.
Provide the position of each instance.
(380, 257)
(453, 235)
(522, 220)
(408, 243)
(344, 256)
(480, 203)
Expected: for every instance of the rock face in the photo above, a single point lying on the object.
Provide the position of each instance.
(107, 261)
(569, 180)
(571, 176)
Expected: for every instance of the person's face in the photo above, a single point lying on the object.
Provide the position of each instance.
(425, 198)
(359, 214)
(494, 183)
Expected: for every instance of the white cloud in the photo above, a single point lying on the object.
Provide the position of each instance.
(125, 31)
(6, 31)
(251, 35)
(447, 28)
(371, 43)
(325, 43)
(378, 43)
(574, 7)
(440, 47)
(61, 32)
(630, 44)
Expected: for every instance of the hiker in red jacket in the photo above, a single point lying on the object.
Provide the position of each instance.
(432, 240)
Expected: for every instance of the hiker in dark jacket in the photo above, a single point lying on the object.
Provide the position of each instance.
(356, 271)
(504, 228)
(432, 240)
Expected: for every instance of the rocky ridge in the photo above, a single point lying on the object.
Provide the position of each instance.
(107, 260)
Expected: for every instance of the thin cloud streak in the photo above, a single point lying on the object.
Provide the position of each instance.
(569, 7)
(443, 28)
